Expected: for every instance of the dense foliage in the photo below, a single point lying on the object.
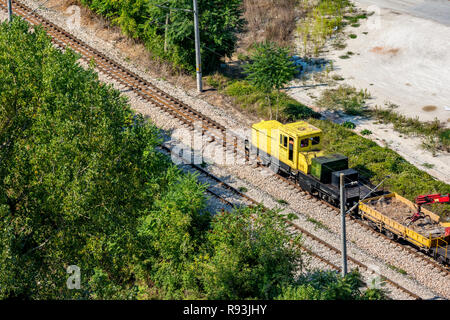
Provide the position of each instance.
(79, 176)
(219, 22)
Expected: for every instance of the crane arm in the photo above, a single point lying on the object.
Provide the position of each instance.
(433, 198)
(428, 199)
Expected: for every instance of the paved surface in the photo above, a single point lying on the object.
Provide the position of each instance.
(436, 10)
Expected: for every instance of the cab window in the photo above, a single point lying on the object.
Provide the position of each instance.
(304, 143)
(285, 141)
(315, 140)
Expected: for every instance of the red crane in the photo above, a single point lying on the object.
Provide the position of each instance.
(428, 199)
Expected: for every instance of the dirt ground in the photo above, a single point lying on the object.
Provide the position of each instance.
(399, 58)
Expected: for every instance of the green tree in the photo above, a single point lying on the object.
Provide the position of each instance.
(249, 253)
(270, 69)
(219, 22)
(79, 176)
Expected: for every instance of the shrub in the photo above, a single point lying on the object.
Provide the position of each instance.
(345, 98)
(348, 125)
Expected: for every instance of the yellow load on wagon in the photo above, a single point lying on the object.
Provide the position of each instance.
(389, 214)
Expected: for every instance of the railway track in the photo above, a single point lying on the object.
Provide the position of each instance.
(157, 98)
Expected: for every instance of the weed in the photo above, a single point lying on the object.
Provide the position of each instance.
(337, 77)
(399, 270)
(428, 165)
(366, 132)
(292, 216)
(243, 189)
(317, 224)
(349, 125)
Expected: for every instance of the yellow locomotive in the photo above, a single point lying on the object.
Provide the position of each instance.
(296, 149)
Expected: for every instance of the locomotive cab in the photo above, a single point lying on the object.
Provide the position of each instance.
(289, 147)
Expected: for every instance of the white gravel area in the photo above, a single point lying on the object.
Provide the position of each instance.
(362, 246)
(401, 58)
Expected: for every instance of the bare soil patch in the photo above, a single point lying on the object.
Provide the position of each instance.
(429, 108)
(386, 51)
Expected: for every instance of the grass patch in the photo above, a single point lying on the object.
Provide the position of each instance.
(345, 98)
(366, 132)
(317, 224)
(399, 270)
(352, 36)
(436, 137)
(254, 101)
(243, 189)
(283, 202)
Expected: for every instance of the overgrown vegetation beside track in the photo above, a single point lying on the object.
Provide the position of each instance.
(167, 28)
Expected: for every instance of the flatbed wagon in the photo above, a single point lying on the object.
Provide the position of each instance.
(388, 214)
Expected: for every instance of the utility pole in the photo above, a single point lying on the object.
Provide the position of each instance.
(198, 58)
(9, 10)
(165, 31)
(343, 235)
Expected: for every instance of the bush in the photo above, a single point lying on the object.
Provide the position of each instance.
(348, 125)
(329, 285)
(249, 254)
(255, 101)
